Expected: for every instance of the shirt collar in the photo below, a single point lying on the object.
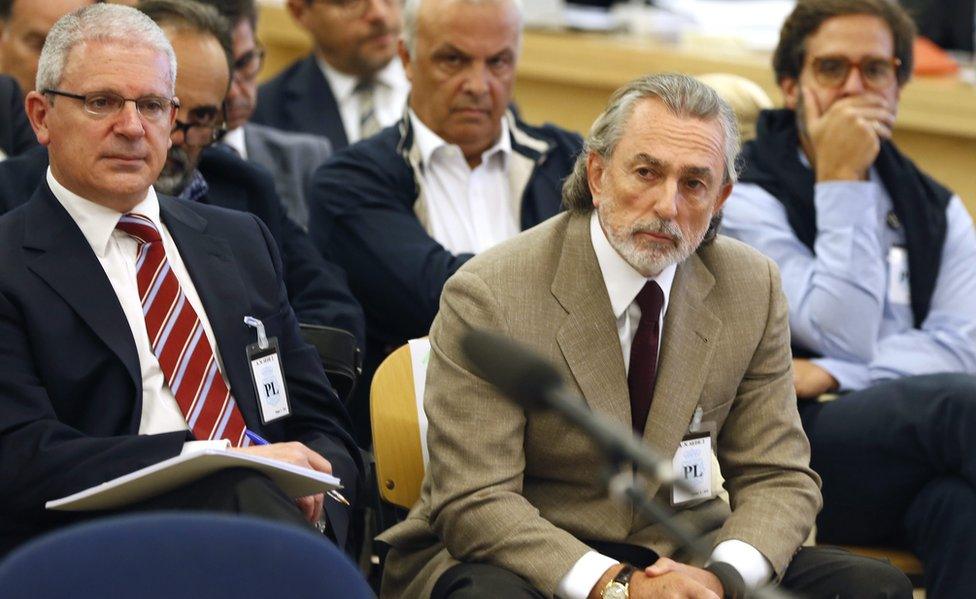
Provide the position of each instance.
(196, 189)
(429, 142)
(97, 222)
(343, 85)
(235, 140)
(622, 280)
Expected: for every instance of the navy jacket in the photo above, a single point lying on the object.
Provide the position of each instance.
(69, 369)
(361, 208)
(317, 288)
(16, 135)
(300, 99)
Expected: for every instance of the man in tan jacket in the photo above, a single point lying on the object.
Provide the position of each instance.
(657, 324)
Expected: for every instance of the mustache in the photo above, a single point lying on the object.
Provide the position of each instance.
(658, 227)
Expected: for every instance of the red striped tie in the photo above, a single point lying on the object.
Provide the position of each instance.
(179, 342)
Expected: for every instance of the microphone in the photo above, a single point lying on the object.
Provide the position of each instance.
(535, 384)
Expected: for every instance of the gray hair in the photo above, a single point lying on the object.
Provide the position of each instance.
(683, 95)
(99, 23)
(411, 14)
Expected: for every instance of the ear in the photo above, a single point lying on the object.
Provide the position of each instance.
(791, 92)
(38, 110)
(298, 9)
(723, 195)
(405, 59)
(595, 168)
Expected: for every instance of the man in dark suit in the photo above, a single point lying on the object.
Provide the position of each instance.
(405, 209)
(317, 289)
(351, 85)
(291, 157)
(92, 387)
(15, 132)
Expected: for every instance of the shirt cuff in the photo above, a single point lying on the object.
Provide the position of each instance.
(583, 576)
(746, 559)
(198, 446)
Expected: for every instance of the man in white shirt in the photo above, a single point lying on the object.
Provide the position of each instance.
(460, 173)
(658, 325)
(122, 311)
(351, 85)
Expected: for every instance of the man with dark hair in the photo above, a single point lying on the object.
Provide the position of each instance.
(879, 267)
(351, 85)
(658, 326)
(122, 311)
(23, 27)
(291, 157)
(459, 173)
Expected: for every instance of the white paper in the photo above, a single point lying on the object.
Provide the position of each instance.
(419, 357)
(175, 472)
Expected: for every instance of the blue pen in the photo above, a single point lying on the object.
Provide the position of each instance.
(259, 440)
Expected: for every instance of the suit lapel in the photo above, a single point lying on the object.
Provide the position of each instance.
(588, 337)
(63, 258)
(690, 329)
(212, 268)
(314, 106)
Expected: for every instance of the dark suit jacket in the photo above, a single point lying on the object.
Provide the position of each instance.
(300, 99)
(317, 288)
(16, 134)
(363, 207)
(69, 369)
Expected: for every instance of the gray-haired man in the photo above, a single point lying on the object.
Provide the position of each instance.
(122, 311)
(658, 324)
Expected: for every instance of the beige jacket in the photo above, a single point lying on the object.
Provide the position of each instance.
(519, 490)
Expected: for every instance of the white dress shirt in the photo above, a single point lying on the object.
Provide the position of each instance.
(389, 96)
(468, 210)
(3, 155)
(235, 139)
(623, 284)
(116, 252)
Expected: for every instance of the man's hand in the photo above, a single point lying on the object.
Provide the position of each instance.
(846, 138)
(810, 380)
(670, 579)
(299, 455)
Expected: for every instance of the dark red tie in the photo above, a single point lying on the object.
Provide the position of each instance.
(179, 342)
(643, 354)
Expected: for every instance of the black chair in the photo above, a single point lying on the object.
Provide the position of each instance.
(341, 356)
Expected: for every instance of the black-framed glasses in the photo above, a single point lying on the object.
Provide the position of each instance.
(198, 135)
(249, 64)
(876, 72)
(102, 104)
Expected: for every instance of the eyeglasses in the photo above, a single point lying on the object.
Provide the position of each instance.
(102, 104)
(356, 8)
(249, 64)
(876, 73)
(198, 135)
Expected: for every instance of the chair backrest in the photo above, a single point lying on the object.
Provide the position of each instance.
(396, 419)
(166, 555)
(745, 97)
(340, 356)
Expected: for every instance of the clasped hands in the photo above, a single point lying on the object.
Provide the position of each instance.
(666, 578)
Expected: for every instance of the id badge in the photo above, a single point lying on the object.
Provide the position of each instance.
(899, 290)
(692, 465)
(267, 374)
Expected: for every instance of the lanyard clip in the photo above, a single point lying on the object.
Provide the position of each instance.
(696, 421)
(257, 324)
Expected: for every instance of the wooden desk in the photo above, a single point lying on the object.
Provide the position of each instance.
(567, 78)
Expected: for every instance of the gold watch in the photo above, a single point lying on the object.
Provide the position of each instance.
(619, 587)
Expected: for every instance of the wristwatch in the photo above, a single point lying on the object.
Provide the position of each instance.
(619, 587)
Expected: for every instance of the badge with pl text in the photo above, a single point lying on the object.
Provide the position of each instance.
(267, 374)
(692, 465)
(899, 290)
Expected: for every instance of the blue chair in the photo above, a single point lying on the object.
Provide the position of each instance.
(167, 555)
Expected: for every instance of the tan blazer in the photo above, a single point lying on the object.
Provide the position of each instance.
(519, 490)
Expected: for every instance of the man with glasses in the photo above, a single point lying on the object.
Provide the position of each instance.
(879, 267)
(122, 310)
(290, 157)
(351, 85)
